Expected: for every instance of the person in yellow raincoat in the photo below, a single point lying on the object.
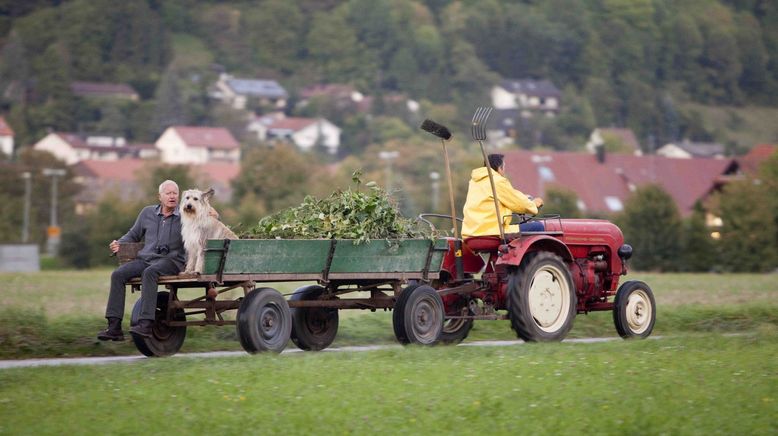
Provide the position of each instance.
(480, 217)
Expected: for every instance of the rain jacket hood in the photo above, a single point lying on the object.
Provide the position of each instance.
(480, 217)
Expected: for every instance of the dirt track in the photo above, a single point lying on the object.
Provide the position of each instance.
(26, 363)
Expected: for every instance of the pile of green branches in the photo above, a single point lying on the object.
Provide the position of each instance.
(348, 214)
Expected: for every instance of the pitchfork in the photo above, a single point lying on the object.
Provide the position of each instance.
(479, 134)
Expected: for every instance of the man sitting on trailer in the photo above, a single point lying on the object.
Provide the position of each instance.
(159, 226)
(480, 217)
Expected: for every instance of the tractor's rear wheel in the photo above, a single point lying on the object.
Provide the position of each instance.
(456, 330)
(541, 298)
(313, 328)
(634, 311)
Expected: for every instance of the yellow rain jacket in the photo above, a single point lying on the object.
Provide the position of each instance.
(480, 218)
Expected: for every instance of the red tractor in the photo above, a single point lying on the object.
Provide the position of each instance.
(541, 278)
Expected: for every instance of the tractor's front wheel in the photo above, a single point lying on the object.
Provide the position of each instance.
(634, 311)
(541, 298)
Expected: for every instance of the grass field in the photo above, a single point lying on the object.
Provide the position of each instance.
(714, 370)
(708, 384)
(58, 313)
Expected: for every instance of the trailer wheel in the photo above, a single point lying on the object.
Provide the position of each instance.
(313, 328)
(634, 311)
(456, 330)
(264, 322)
(398, 323)
(418, 316)
(541, 298)
(165, 340)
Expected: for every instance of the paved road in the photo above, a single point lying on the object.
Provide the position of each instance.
(5, 364)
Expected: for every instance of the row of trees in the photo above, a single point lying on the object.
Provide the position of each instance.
(620, 62)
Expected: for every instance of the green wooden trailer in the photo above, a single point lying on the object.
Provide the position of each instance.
(343, 274)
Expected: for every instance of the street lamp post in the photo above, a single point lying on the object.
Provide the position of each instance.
(388, 156)
(53, 232)
(435, 182)
(27, 176)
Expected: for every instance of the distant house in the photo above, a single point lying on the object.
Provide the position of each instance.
(342, 96)
(98, 177)
(237, 92)
(103, 90)
(604, 185)
(305, 133)
(503, 127)
(6, 138)
(687, 149)
(197, 145)
(73, 147)
(624, 138)
(528, 95)
(749, 164)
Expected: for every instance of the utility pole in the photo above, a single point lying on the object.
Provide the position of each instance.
(435, 181)
(26, 221)
(53, 233)
(388, 156)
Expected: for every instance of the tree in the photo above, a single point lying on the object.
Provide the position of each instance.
(652, 225)
(279, 177)
(169, 110)
(562, 201)
(748, 234)
(12, 195)
(699, 248)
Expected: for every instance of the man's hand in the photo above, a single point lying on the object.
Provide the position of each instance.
(538, 202)
(114, 246)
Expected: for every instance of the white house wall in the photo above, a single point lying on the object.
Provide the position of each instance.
(7, 144)
(502, 99)
(59, 148)
(173, 150)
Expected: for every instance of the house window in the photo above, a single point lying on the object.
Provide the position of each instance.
(546, 174)
(614, 204)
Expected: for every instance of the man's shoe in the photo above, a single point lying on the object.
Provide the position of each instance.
(142, 328)
(113, 332)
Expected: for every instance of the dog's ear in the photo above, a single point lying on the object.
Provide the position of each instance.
(208, 194)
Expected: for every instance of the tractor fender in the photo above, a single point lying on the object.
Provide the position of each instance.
(514, 251)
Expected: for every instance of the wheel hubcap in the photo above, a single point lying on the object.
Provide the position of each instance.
(638, 311)
(425, 321)
(549, 299)
(269, 322)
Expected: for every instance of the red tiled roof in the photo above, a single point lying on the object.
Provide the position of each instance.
(292, 123)
(5, 129)
(119, 170)
(686, 180)
(127, 169)
(207, 137)
(102, 89)
(73, 139)
(223, 172)
(750, 162)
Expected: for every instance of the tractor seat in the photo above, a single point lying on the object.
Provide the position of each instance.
(483, 243)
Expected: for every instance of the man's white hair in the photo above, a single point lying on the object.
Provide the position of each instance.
(167, 182)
